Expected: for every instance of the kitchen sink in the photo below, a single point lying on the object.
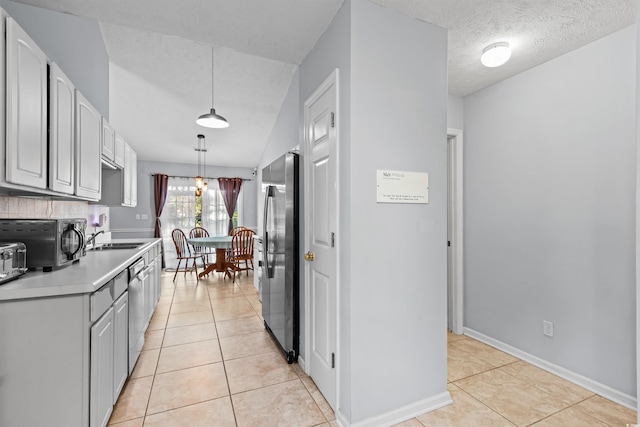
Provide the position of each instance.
(110, 246)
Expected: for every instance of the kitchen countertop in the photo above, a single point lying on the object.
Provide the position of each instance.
(86, 276)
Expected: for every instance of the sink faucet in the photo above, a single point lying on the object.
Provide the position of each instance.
(93, 236)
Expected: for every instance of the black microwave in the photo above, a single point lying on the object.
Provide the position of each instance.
(51, 243)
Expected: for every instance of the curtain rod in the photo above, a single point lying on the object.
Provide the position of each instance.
(192, 177)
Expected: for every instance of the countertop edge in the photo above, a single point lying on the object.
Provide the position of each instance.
(80, 278)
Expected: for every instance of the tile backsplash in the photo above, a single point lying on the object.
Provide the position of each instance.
(29, 207)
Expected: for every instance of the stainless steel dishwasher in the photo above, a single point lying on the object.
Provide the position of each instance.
(138, 273)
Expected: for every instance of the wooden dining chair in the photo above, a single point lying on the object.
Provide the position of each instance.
(235, 230)
(183, 252)
(200, 250)
(241, 252)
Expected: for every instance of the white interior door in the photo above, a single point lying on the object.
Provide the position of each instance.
(321, 207)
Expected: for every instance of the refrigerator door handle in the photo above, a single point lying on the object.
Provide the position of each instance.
(269, 194)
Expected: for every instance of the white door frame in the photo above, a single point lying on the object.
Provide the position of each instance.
(455, 137)
(332, 79)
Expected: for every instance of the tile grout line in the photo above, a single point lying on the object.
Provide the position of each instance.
(164, 331)
(224, 365)
(485, 405)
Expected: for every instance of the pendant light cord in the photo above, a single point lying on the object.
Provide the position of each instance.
(212, 70)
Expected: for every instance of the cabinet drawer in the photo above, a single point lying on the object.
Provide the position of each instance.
(101, 300)
(120, 283)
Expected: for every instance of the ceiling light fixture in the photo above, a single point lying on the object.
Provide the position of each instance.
(201, 185)
(211, 119)
(495, 54)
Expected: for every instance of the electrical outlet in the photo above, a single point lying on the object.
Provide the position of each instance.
(547, 328)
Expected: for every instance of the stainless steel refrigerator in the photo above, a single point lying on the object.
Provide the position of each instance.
(280, 276)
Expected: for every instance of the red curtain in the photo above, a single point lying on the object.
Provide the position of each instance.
(160, 185)
(230, 189)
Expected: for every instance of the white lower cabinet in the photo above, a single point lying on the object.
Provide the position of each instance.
(121, 344)
(102, 355)
(158, 270)
(109, 360)
(149, 291)
(64, 360)
(44, 362)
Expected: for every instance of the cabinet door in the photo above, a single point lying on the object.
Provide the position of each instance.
(134, 179)
(120, 344)
(88, 147)
(61, 134)
(101, 394)
(108, 141)
(118, 157)
(126, 190)
(158, 277)
(26, 104)
(149, 298)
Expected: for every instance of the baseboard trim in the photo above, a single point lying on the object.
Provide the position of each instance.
(401, 414)
(302, 364)
(580, 380)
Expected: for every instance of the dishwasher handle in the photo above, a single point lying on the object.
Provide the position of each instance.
(144, 273)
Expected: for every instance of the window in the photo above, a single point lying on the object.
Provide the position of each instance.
(184, 210)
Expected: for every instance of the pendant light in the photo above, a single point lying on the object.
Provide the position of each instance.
(211, 119)
(201, 185)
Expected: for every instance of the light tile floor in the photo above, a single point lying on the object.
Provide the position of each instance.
(207, 361)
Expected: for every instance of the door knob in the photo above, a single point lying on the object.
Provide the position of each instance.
(309, 256)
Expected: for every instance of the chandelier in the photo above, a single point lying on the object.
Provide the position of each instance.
(201, 184)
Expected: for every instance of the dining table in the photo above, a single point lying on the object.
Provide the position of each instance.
(221, 244)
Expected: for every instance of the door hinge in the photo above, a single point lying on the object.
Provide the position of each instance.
(333, 120)
(333, 360)
(333, 239)
(448, 242)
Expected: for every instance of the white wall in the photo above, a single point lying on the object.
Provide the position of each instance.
(284, 137)
(637, 204)
(455, 112)
(550, 214)
(392, 281)
(74, 43)
(398, 278)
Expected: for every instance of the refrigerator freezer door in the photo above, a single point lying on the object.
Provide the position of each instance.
(280, 267)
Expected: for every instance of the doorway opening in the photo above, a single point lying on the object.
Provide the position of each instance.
(455, 271)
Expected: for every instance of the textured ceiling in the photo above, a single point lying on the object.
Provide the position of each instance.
(159, 50)
(537, 30)
(160, 84)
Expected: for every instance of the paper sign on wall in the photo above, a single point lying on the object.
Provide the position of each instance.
(402, 187)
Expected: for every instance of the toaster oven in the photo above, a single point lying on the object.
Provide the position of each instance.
(50, 243)
(13, 261)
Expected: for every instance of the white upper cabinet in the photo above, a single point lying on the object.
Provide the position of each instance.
(134, 179)
(126, 186)
(118, 158)
(120, 187)
(108, 141)
(26, 109)
(88, 149)
(61, 133)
